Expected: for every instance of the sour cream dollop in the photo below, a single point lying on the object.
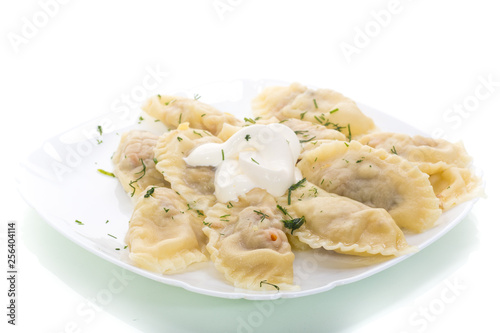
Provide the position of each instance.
(262, 156)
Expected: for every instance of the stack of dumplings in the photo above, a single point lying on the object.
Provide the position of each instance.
(362, 191)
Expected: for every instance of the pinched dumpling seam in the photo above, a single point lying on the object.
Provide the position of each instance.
(315, 241)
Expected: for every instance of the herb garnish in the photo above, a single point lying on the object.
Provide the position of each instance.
(283, 210)
(334, 110)
(294, 187)
(224, 217)
(310, 139)
(302, 115)
(314, 190)
(222, 150)
(247, 137)
(250, 120)
(393, 150)
(255, 161)
(263, 216)
(349, 135)
(107, 173)
(79, 222)
(315, 104)
(149, 192)
(180, 118)
(294, 224)
(143, 171)
(112, 236)
(265, 282)
(179, 139)
(196, 97)
(166, 210)
(99, 129)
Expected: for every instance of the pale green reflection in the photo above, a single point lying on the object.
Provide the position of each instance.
(154, 307)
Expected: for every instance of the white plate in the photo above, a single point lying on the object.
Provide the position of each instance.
(60, 181)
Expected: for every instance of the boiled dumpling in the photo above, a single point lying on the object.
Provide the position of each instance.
(446, 163)
(135, 164)
(247, 243)
(323, 106)
(375, 178)
(164, 235)
(174, 110)
(340, 224)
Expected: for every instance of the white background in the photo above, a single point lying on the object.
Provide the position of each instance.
(426, 62)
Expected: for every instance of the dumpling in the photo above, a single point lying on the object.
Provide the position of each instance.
(247, 243)
(174, 110)
(164, 235)
(195, 184)
(135, 164)
(375, 178)
(341, 224)
(323, 106)
(446, 163)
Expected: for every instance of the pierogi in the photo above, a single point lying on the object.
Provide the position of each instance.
(356, 198)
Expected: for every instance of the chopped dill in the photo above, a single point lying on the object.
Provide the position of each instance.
(265, 282)
(107, 173)
(294, 224)
(149, 192)
(262, 215)
(310, 139)
(293, 188)
(143, 171)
